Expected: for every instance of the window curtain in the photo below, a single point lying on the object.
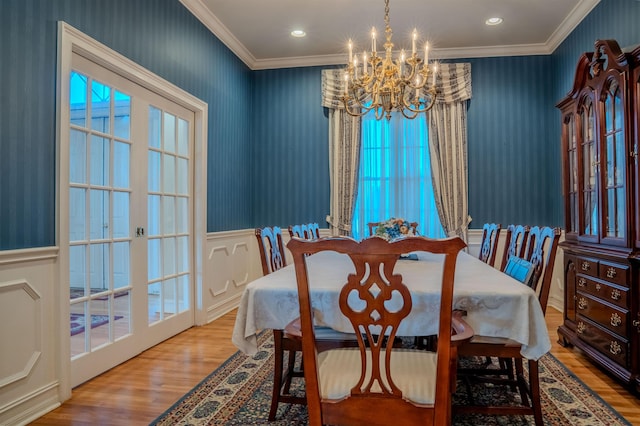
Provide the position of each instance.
(395, 178)
(447, 128)
(344, 152)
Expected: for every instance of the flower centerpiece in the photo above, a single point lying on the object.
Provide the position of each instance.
(395, 228)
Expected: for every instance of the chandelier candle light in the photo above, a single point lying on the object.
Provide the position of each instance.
(407, 85)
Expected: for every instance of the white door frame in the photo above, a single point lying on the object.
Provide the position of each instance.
(71, 40)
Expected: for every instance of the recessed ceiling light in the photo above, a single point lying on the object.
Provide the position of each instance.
(298, 33)
(493, 21)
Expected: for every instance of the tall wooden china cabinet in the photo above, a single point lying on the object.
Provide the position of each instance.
(601, 187)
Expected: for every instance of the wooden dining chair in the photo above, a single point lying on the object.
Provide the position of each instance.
(375, 383)
(540, 251)
(309, 231)
(515, 243)
(272, 259)
(489, 242)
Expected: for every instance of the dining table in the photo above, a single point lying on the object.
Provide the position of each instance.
(496, 304)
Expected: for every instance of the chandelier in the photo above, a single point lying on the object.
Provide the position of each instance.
(406, 85)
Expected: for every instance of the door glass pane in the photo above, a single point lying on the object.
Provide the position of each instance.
(100, 330)
(121, 157)
(121, 272)
(100, 107)
(182, 215)
(614, 202)
(99, 267)
(155, 126)
(153, 170)
(169, 256)
(183, 137)
(153, 213)
(99, 214)
(122, 317)
(120, 214)
(153, 259)
(169, 174)
(169, 135)
(78, 157)
(122, 116)
(169, 297)
(77, 214)
(168, 216)
(99, 166)
(182, 176)
(78, 99)
(154, 302)
(77, 271)
(78, 313)
(590, 164)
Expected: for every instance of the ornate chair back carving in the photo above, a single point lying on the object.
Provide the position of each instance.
(489, 244)
(271, 249)
(541, 249)
(515, 243)
(309, 231)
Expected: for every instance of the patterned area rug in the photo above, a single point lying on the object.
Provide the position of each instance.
(239, 393)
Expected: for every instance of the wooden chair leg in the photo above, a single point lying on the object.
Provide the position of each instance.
(278, 355)
(534, 386)
(291, 365)
(522, 385)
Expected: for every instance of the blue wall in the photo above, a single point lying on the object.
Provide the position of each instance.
(163, 37)
(274, 170)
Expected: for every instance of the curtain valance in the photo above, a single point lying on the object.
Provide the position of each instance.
(453, 84)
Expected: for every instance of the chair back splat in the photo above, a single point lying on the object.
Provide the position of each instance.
(377, 383)
(541, 249)
(309, 231)
(515, 243)
(271, 249)
(489, 244)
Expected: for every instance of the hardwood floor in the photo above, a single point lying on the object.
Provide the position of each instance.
(136, 392)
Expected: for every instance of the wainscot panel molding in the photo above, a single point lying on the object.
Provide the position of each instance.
(30, 366)
(231, 262)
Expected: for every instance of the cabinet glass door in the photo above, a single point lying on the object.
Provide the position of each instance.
(572, 154)
(613, 162)
(589, 170)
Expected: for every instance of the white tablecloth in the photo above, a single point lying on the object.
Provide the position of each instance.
(496, 304)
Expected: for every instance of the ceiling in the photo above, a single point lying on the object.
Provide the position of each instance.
(258, 31)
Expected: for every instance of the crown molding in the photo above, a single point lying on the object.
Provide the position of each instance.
(200, 11)
(204, 15)
(582, 9)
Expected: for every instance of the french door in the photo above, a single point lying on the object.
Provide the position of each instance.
(130, 210)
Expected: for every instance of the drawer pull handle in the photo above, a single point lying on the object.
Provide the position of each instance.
(598, 287)
(586, 266)
(611, 272)
(581, 327)
(582, 303)
(615, 347)
(615, 294)
(582, 282)
(615, 319)
(636, 323)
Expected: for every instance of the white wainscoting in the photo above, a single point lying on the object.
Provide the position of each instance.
(29, 384)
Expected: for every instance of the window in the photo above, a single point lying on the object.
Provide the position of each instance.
(395, 176)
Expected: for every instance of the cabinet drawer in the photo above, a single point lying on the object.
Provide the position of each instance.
(608, 316)
(614, 273)
(612, 346)
(602, 290)
(587, 266)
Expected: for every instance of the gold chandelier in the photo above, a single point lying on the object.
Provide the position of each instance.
(406, 85)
